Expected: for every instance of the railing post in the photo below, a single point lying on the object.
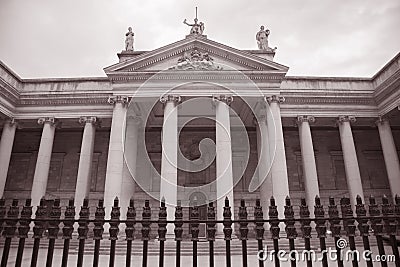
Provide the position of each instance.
(53, 229)
(349, 226)
(2, 213)
(319, 214)
(194, 229)
(211, 229)
(228, 231)
(38, 229)
(244, 230)
(274, 222)
(259, 217)
(335, 228)
(162, 230)
(83, 230)
(68, 229)
(306, 227)
(178, 232)
(146, 217)
(390, 227)
(9, 230)
(114, 229)
(377, 227)
(98, 230)
(363, 227)
(23, 230)
(290, 230)
(130, 230)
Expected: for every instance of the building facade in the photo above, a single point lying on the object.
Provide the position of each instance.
(327, 136)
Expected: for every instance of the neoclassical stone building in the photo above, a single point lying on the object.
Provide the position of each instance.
(63, 138)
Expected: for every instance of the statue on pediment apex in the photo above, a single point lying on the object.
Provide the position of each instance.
(129, 40)
(262, 38)
(197, 28)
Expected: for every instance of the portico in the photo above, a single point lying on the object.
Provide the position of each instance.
(307, 136)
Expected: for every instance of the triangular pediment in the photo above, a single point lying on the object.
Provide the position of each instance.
(195, 53)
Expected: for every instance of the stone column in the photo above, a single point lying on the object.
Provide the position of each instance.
(308, 160)
(169, 157)
(224, 156)
(6, 144)
(115, 160)
(133, 124)
(43, 160)
(390, 155)
(85, 160)
(352, 169)
(280, 183)
(264, 163)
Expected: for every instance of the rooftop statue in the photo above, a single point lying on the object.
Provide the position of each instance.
(262, 38)
(197, 28)
(129, 40)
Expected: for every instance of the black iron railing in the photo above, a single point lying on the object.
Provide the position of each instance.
(374, 222)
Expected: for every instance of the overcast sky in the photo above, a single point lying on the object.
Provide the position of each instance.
(75, 38)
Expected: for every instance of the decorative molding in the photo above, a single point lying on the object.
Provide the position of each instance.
(89, 119)
(346, 118)
(305, 118)
(275, 99)
(227, 99)
(51, 120)
(381, 120)
(170, 98)
(195, 60)
(112, 100)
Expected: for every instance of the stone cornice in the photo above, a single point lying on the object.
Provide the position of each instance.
(197, 75)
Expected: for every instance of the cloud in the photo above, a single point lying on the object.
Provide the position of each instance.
(47, 38)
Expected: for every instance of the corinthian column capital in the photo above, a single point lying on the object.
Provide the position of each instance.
(305, 118)
(112, 100)
(346, 118)
(274, 99)
(170, 98)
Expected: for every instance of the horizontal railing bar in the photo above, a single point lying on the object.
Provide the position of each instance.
(210, 221)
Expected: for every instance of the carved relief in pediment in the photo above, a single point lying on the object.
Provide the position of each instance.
(195, 60)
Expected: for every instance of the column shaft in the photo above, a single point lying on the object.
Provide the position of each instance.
(308, 160)
(280, 183)
(43, 160)
(129, 171)
(169, 157)
(264, 165)
(390, 155)
(224, 157)
(115, 161)
(352, 169)
(6, 144)
(85, 160)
